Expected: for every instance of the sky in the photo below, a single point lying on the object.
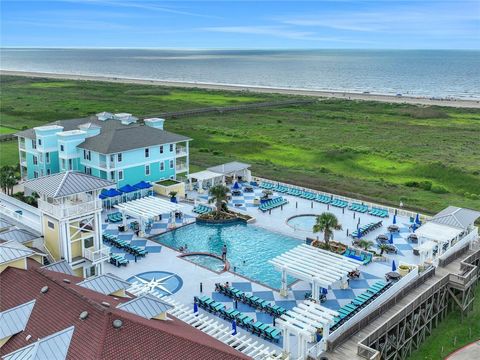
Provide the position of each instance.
(388, 24)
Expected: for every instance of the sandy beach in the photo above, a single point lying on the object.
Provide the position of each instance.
(460, 103)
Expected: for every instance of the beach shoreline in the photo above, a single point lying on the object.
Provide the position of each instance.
(459, 103)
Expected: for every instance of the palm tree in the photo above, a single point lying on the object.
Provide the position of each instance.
(365, 244)
(383, 248)
(327, 222)
(8, 179)
(218, 195)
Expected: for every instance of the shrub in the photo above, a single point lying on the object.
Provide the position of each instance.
(412, 183)
(425, 185)
(475, 196)
(438, 189)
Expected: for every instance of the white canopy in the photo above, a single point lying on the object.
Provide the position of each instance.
(426, 246)
(303, 321)
(205, 175)
(438, 232)
(148, 207)
(316, 266)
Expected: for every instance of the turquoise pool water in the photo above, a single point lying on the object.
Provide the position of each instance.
(207, 261)
(249, 247)
(302, 222)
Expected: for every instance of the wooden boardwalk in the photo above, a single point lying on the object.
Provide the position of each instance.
(348, 350)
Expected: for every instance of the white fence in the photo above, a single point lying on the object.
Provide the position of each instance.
(391, 210)
(465, 241)
(388, 294)
(30, 215)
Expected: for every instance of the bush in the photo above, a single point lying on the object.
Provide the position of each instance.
(475, 196)
(425, 185)
(412, 184)
(438, 189)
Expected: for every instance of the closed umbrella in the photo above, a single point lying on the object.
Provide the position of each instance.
(324, 291)
(391, 238)
(417, 219)
(394, 219)
(195, 308)
(234, 327)
(359, 233)
(394, 266)
(236, 186)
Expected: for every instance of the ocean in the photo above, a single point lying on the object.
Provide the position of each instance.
(424, 73)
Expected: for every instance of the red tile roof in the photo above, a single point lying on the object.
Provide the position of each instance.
(95, 337)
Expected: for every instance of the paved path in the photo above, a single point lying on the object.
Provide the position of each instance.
(467, 352)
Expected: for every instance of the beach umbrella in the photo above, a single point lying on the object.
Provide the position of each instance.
(236, 186)
(417, 219)
(324, 291)
(394, 266)
(359, 233)
(142, 185)
(391, 238)
(234, 327)
(394, 219)
(195, 308)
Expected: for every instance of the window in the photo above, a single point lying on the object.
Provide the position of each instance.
(34, 144)
(70, 164)
(119, 157)
(171, 164)
(120, 175)
(63, 164)
(48, 172)
(47, 158)
(88, 243)
(171, 147)
(35, 174)
(51, 225)
(112, 158)
(147, 152)
(162, 166)
(87, 155)
(35, 160)
(161, 149)
(88, 170)
(147, 170)
(39, 142)
(62, 148)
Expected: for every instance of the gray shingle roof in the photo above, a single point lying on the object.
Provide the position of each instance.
(106, 284)
(456, 217)
(66, 183)
(18, 235)
(70, 124)
(52, 347)
(147, 306)
(60, 267)
(128, 138)
(10, 252)
(14, 320)
(229, 167)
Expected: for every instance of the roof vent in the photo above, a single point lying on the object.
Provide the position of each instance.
(44, 289)
(117, 324)
(66, 281)
(106, 304)
(28, 337)
(83, 315)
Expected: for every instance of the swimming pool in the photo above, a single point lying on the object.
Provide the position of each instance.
(302, 222)
(209, 262)
(249, 247)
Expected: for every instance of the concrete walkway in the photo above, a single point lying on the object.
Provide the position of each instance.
(467, 352)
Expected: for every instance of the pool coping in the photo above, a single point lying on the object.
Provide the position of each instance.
(226, 263)
(299, 215)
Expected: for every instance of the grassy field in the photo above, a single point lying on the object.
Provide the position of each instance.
(451, 334)
(426, 157)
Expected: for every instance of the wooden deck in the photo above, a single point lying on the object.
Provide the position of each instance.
(348, 350)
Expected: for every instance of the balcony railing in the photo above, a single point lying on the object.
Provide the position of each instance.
(181, 151)
(68, 210)
(179, 168)
(21, 145)
(96, 256)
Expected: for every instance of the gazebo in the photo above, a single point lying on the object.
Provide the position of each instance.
(147, 209)
(304, 321)
(234, 170)
(205, 176)
(318, 267)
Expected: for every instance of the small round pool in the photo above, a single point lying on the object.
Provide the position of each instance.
(302, 222)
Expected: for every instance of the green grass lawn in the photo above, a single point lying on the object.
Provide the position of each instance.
(369, 150)
(451, 334)
(8, 153)
(6, 130)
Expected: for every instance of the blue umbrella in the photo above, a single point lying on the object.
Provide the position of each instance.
(195, 308)
(394, 219)
(236, 185)
(417, 219)
(113, 192)
(359, 233)
(324, 291)
(391, 239)
(234, 327)
(127, 189)
(394, 267)
(142, 185)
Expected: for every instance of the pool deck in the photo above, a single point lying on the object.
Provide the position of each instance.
(162, 258)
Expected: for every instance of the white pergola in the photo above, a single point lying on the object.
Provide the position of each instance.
(147, 209)
(303, 321)
(318, 267)
(205, 176)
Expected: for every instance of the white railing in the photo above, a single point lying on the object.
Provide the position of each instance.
(470, 237)
(316, 350)
(391, 210)
(388, 294)
(68, 210)
(181, 151)
(96, 256)
(181, 167)
(9, 206)
(21, 145)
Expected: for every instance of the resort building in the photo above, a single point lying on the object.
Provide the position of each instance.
(115, 147)
(70, 217)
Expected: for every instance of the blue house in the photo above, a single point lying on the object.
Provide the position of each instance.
(116, 147)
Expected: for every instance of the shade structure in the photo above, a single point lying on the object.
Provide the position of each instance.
(318, 267)
(394, 266)
(304, 320)
(142, 185)
(127, 189)
(109, 193)
(103, 196)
